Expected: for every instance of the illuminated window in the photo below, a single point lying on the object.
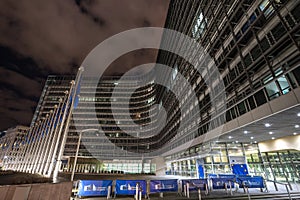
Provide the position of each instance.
(272, 90)
(284, 85)
(266, 8)
(199, 26)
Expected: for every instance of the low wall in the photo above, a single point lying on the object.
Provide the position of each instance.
(45, 191)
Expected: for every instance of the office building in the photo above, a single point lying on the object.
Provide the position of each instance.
(11, 145)
(253, 44)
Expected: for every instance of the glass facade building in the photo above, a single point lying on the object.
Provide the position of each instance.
(12, 145)
(254, 46)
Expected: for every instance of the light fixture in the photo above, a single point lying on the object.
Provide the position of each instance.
(273, 138)
(245, 132)
(270, 132)
(236, 141)
(267, 125)
(295, 133)
(255, 141)
(252, 138)
(296, 126)
(298, 114)
(229, 137)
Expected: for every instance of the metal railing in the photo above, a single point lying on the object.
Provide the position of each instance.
(286, 187)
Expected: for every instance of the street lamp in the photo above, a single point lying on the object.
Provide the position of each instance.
(77, 150)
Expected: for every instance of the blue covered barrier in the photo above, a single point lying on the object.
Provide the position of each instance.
(88, 188)
(195, 184)
(251, 182)
(128, 187)
(219, 183)
(163, 186)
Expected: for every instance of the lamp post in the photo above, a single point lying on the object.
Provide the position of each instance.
(77, 150)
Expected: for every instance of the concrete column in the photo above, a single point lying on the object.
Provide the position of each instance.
(32, 147)
(160, 165)
(48, 140)
(39, 144)
(50, 153)
(65, 105)
(41, 153)
(27, 147)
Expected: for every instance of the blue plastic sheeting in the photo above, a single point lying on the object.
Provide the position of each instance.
(163, 185)
(128, 187)
(195, 184)
(219, 183)
(251, 182)
(89, 188)
(240, 169)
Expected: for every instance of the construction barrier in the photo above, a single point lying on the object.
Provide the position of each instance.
(157, 186)
(130, 187)
(88, 188)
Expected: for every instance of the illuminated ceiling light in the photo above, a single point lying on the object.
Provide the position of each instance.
(255, 141)
(273, 138)
(229, 137)
(267, 125)
(245, 132)
(298, 114)
(270, 132)
(297, 126)
(295, 133)
(252, 138)
(236, 141)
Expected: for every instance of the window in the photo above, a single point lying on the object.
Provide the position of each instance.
(264, 44)
(199, 26)
(251, 102)
(296, 73)
(290, 20)
(247, 60)
(296, 13)
(242, 108)
(272, 90)
(255, 52)
(278, 31)
(284, 85)
(260, 98)
(266, 8)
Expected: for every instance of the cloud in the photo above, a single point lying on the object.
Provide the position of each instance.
(43, 37)
(59, 34)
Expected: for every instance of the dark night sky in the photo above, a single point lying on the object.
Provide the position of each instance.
(38, 38)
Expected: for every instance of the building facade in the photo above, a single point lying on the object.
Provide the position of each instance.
(254, 46)
(11, 145)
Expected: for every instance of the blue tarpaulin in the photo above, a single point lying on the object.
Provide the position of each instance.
(88, 188)
(128, 187)
(195, 184)
(163, 185)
